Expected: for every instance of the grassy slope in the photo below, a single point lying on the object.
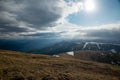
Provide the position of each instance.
(98, 56)
(21, 66)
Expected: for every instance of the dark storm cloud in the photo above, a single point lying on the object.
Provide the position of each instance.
(40, 13)
(8, 23)
(45, 35)
(21, 15)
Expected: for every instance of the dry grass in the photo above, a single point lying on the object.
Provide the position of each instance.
(21, 66)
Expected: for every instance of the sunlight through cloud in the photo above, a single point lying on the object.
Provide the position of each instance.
(89, 5)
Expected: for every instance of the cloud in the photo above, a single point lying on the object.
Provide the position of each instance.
(104, 32)
(48, 35)
(23, 16)
(107, 32)
(23, 19)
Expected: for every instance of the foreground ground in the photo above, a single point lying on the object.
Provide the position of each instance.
(21, 66)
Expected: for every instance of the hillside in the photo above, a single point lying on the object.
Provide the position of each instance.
(22, 66)
(90, 55)
(67, 46)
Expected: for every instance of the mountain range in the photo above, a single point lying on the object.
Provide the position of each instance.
(65, 46)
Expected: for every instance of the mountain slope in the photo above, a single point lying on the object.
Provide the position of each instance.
(90, 55)
(74, 46)
(21, 66)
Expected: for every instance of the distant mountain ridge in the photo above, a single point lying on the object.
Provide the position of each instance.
(75, 46)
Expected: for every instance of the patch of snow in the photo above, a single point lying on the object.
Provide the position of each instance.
(56, 55)
(85, 45)
(98, 45)
(113, 51)
(70, 53)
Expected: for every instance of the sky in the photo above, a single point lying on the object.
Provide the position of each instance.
(60, 19)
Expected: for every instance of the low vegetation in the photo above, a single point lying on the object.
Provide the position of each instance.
(99, 56)
(22, 66)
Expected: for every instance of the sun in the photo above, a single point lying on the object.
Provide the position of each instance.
(89, 5)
